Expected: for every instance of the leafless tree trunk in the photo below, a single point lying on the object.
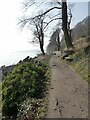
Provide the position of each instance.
(65, 24)
(58, 40)
(41, 41)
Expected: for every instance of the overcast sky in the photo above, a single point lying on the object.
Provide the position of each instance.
(11, 38)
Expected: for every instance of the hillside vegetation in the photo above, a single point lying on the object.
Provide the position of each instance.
(23, 91)
(80, 57)
(81, 42)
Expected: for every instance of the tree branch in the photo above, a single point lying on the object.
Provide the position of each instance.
(26, 5)
(69, 21)
(51, 21)
(47, 12)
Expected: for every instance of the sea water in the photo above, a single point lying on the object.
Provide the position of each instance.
(14, 57)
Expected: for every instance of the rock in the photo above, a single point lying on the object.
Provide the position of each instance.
(54, 65)
(26, 59)
(75, 91)
(66, 53)
(62, 106)
(57, 53)
(69, 59)
(20, 61)
(54, 108)
(52, 88)
(85, 115)
(69, 52)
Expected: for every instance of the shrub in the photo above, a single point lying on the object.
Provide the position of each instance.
(27, 80)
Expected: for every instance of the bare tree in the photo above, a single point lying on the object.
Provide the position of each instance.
(39, 32)
(41, 25)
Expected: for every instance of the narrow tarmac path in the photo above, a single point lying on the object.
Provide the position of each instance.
(68, 93)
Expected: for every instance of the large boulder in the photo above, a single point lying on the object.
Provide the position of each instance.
(69, 59)
(66, 53)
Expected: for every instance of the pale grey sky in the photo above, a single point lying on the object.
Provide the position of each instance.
(11, 38)
(80, 11)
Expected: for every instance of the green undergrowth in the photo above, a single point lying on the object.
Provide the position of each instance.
(23, 91)
(0, 100)
(80, 63)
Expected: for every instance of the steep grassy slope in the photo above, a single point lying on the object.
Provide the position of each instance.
(80, 63)
(81, 59)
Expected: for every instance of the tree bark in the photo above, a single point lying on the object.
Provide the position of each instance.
(42, 50)
(41, 41)
(58, 41)
(64, 25)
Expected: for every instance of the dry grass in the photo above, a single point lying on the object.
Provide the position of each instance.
(81, 44)
(80, 57)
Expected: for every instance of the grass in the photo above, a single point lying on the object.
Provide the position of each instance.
(81, 58)
(80, 63)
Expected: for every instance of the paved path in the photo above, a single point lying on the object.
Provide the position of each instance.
(68, 93)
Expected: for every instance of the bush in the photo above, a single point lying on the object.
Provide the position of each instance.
(27, 80)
